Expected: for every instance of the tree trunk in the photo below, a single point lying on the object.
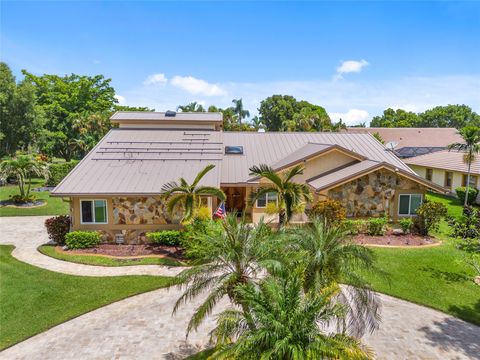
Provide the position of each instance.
(465, 202)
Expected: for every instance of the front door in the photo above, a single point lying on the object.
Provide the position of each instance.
(235, 198)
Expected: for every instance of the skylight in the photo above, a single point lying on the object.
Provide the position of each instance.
(234, 150)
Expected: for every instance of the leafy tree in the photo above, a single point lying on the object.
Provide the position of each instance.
(239, 110)
(188, 195)
(66, 99)
(377, 136)
(22, 167)
(457, 116)
(283, 323)
(276, 110)
(395, 118)
(20, 117)
(471, 147)
(289, 193)
(225, 260)
(191, 107)
(117, 107)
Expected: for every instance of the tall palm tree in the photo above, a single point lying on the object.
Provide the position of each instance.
(285, 325)
(327, 257)
(257, 123)
(23, 167)
(188, 195)
(191, 107)
(234, 256)
(471, 147)
(239, 110)
(289, 193)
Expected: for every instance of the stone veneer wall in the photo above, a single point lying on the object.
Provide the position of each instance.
(372, 195)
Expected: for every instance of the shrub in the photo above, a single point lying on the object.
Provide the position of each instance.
(376, 226)
(467, 226)
(196, 232)
(57, 228)
(406, 224)
(429, 215)
(82, 239)
(331, 211)
(58, 171)
(271, 209)
(203, 213)
(355, 227)
(166, 237)
(19, 199)
(472, 194)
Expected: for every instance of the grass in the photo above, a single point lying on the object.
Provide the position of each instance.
(33, 300)
(106, 261)
(202, 355)
(436, 277)
(54, 206)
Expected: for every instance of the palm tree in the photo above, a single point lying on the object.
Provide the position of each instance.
(239, 110)
(23, 167)
(471, 147)
(289, 193)
(285, 325)
(191, 107)
(257, 123)
(224, 260)
(327, 257)
(188, 195)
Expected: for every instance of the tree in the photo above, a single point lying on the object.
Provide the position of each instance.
(377, 136)
(283, 323)
(257, 123)
(188, 195)
(22, 167)
(239, 110)
(21, 119)
(289, 193)
(66, 99)
(395, 118)
(191, 107)
(471, 147)
(277, 109)
(457, 116)
(226, 259)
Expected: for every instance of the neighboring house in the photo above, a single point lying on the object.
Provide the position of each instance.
(411, 142)
(115, 188)
(446, 168)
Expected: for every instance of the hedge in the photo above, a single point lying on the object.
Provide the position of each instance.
(58, 171)
(472, 194)
(82, 239)
(167, 237)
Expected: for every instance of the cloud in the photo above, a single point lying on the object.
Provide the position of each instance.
(120, 99)
(350, 66)
(351, 117)
(197, 86)
(96, 61)
(155, 79)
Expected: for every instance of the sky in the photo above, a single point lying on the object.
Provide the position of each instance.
(354, 58)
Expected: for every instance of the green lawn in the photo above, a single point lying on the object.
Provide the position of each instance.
(33, 300)
(105, 261)
(55, 206)
(435, 277)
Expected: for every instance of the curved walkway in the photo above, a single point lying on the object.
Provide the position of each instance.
(142, 327)
(27, 233)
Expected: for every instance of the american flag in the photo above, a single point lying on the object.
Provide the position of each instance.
(220, 212)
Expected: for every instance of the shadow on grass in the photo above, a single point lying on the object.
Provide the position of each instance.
(471, 313)
(447, 276)
(455, 334)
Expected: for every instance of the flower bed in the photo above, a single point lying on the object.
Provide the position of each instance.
(128, 251)
(389, 239)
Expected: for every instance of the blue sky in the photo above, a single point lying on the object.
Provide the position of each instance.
(353, 58)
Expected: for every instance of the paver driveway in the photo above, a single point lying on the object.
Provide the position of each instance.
(142, 327)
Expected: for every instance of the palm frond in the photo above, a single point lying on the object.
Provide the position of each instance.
(201, 174)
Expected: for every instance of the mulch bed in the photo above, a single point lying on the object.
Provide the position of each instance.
(395, 240)
(131, 250)
(30, 204)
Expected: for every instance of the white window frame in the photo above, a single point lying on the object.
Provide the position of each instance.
(266, 201)
(409, 203)
(93, 212)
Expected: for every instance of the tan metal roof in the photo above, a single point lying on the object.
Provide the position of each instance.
(120, 116)
(413, 137)
(448, 160)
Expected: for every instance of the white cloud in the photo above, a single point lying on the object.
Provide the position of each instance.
(197, 86)
(120, 99)
(351, 66)
(351, 117)
(96, 61)
(155, 79)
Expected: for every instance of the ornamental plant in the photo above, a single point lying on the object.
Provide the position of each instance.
(429, 215)
(376, 226)
(405, 224)
(82, 239)
(331, 212)
(166, 237)
(462, 193)
(57, 228)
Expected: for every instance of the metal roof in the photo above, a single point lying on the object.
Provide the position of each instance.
(160, 116)
(448, 160)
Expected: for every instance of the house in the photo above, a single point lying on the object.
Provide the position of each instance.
(115, 188)
(447, 169)
(411, 142)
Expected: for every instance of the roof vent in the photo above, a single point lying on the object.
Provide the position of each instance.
(234, 150)
(170, 113)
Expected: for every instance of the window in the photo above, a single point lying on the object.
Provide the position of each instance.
(448, 179)
(473, 180)
(234, 150)
(93, 211)
(266, 199)
(408, 204)
(429, 174)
